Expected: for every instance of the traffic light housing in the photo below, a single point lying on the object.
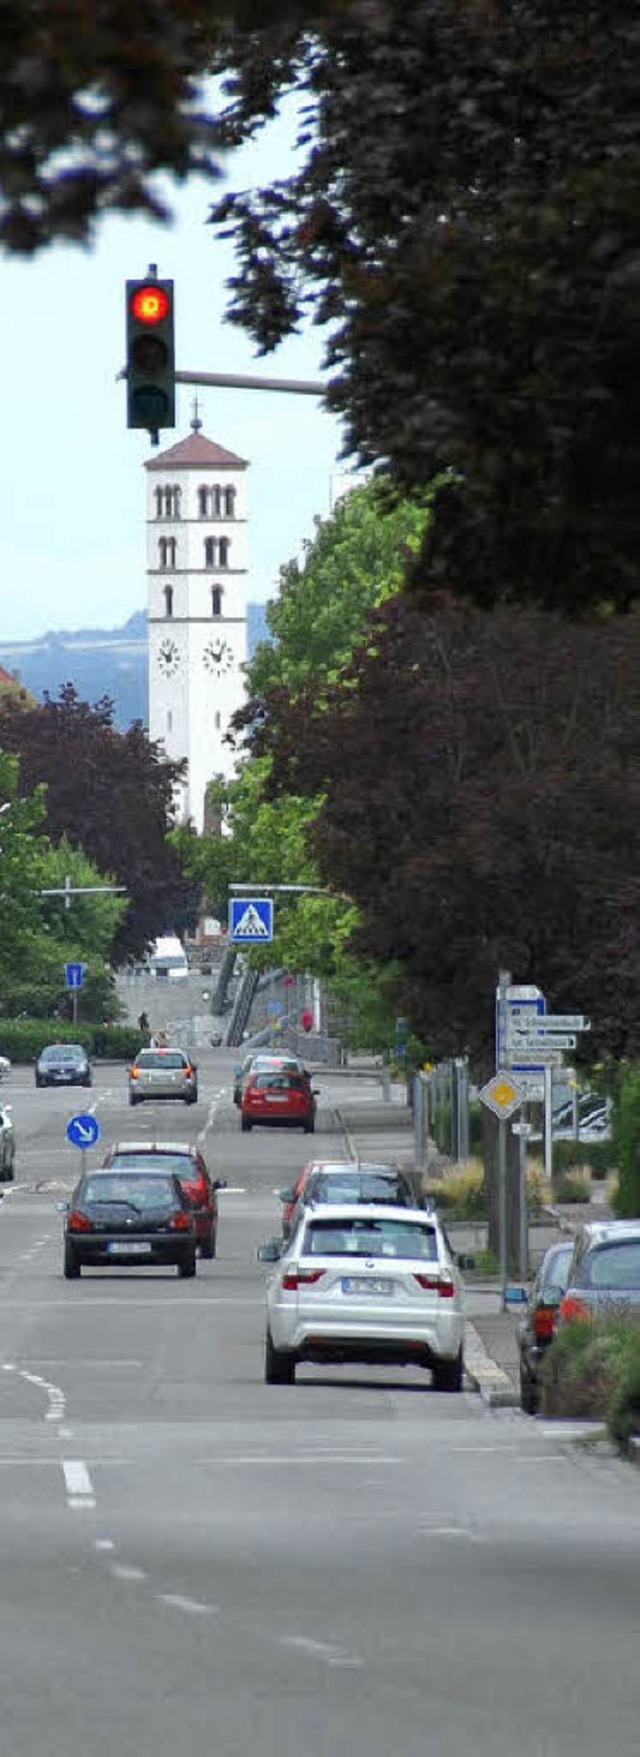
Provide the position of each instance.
(151, 389)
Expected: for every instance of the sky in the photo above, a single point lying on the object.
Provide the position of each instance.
(72, 530)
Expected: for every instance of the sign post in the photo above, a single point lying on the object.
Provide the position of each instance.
(83, 1131)
(503, 1096)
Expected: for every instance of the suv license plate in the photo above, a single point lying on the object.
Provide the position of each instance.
(366, 1284)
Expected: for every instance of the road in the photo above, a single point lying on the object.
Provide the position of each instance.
(193, 1561)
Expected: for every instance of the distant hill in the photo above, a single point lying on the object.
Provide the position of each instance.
(100, 662)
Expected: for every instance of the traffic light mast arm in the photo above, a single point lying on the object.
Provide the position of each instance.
(306, 387)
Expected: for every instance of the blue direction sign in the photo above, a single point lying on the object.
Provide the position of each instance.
(74, 975)
(251, 920)
(83, 1130)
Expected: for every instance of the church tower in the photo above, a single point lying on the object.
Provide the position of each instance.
(197, 560)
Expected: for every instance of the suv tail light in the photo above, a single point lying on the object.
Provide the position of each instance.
(442, 1284)
(573, 1307)
(294, 1278)
(545, 1319)
(79, 1222)
(134, 1073)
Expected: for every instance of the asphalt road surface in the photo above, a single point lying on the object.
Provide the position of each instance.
(192, 1561)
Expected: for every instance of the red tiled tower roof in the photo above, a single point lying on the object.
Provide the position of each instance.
(194, 452)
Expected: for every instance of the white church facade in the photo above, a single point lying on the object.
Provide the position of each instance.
(197, 572)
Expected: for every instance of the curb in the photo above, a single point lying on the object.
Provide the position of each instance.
(485, 1376)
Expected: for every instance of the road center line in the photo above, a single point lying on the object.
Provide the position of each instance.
(334, 1656)
(78, 1484)
(191, 1605)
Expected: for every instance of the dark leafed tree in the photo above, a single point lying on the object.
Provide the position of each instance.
(482, 806)
(465, 217)
(96, 98)
(110, 793)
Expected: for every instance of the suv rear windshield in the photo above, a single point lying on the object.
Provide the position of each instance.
(358, 1187)
(162, 1058)
(615, 1266)
(351, 1236)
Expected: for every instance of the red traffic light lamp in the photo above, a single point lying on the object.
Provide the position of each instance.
(150, 372)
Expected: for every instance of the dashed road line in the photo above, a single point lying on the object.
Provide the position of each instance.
(192, 1606)
(78, 1484)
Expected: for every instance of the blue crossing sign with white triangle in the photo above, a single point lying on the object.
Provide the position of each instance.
(251, 920)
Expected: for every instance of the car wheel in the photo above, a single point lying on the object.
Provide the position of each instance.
(88, 1081)
(448, 1375)
(71, 1264)
(38, 1081)
(208, 1247)
(279, 1364)
(529, 1396)
(191, 1098)
(134, 1099)
(245, 1125)
(187, 1267)
(8, 1170)
(309, 1128)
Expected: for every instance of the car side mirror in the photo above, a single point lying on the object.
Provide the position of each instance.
(287, 1195)
(237, 1071)
(464, 1261)
(270, 1251)
(63, 1207)
(220, 1183)
(316, 1091)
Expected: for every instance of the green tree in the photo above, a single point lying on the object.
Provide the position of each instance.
(463, 218)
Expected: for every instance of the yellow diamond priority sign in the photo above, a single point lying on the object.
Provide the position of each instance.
(502, 1094)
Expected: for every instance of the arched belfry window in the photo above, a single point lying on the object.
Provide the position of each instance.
(168, 600)
(224, 546)
(167, 551)
(229, 503)
(158, 496)
(203, 502)
(210, 552)
(216, 600)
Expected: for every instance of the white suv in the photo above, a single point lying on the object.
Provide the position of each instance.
(365, 1283)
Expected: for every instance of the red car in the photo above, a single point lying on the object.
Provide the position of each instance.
(187, 1164)
(281, 1097)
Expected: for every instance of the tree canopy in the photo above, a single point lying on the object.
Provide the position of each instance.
(464, 218)
(110, 794)
(478, 776)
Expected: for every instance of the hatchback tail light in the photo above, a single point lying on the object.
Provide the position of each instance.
(181, 1221)
(294, 1278)
(573, 1307)
(79, 1222)
(443, 1284)
(134, 1073)
(545, 1319)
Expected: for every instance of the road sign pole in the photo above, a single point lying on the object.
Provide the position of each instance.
(502, 1205)
(75, 1005)
(548, 1121)
(524, 1216)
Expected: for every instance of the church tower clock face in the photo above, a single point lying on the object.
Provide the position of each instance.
(168, 657)
(218, 657)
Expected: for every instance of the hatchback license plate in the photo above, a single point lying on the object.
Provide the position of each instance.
(366, 1284)
(137, 1248)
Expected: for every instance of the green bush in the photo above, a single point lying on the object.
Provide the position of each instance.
(627, 1140)
(572, 1186)
(592, 1370)
(23, 1039)
(461, 1193)
(598, 1157)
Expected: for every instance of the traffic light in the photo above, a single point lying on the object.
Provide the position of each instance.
(151, 391)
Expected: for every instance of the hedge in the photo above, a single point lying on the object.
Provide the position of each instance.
(592, 1370)
(23, 1039)
(598, 1157)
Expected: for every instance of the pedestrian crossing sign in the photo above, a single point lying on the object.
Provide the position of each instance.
(251, 920)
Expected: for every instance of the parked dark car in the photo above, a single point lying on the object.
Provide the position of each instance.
(116, 1218)
(540, 1323)
(7, 1144)
(63, 1064)
(187, 1164)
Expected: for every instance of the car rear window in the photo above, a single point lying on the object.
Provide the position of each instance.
(615, 1266)
(69, 1052)
(555, 1272)
(371, 1238)
(357, 1188)
(162, 1058)
(277, 1082)
(152, 1164)
(143, 1192)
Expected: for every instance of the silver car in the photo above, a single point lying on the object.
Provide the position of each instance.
(163, 1073)
(603, 1277)
(367, 1283)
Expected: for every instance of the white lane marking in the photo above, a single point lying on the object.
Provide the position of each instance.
(192, 1606)
(77, 1479)
(56, 1397)
(287, 1458)
(8, 1367)
(104, 1543)
(333, 1656)
(122, 1571)
(451, 1531)
(81, 1503)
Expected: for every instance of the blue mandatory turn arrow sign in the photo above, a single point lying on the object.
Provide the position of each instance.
(83, 1130)
(251, 920)
(74, 975)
